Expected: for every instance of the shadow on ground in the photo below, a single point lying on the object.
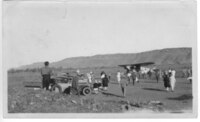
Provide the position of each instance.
(182, 97)
(153, 89)
(110, 94)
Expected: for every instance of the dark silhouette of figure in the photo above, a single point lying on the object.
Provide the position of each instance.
(46, 73)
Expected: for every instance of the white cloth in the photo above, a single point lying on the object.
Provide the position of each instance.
(102, 76)
(189, 78)
(173, 79)
(129, 74)
(89, 77)
(118, 77)
(136, 79)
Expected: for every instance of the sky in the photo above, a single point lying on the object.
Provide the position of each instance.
(41, 31)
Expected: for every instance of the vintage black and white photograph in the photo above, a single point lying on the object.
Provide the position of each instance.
(97, 57)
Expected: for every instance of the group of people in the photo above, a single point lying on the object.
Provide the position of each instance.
(99, 84)
(187, 73)
(169, 79)
(47, 72)
(123, 79)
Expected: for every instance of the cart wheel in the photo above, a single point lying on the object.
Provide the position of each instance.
(56, 89)
(86, 91)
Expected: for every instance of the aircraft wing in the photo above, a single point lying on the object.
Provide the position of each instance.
(136, 65)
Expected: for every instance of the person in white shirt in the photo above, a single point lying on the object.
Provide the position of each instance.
(170, 70)
(172, 79)
(129, 77)
(89, 75)
(118, 76)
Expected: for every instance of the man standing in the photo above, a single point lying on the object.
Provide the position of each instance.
(75, 85)
(124, 83)
(118, 76)
(128, 72)
(157, 74)
(149, 73)
(46, 73)
(166, 80)
(134, 76)
(105, 80)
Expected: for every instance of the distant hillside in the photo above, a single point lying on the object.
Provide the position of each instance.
(160, 57)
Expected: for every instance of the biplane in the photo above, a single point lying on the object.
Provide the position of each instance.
(136, 66)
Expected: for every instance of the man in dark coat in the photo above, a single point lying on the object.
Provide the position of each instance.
(75, 85)
(166, 80)
(133, 76)
(105, 80)
(46, 73)
(157, 74)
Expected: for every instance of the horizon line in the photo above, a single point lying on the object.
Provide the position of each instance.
(97, 55)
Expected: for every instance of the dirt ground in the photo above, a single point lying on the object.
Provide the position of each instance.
(147, 94)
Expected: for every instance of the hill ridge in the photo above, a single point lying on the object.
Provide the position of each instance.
(159, 56)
